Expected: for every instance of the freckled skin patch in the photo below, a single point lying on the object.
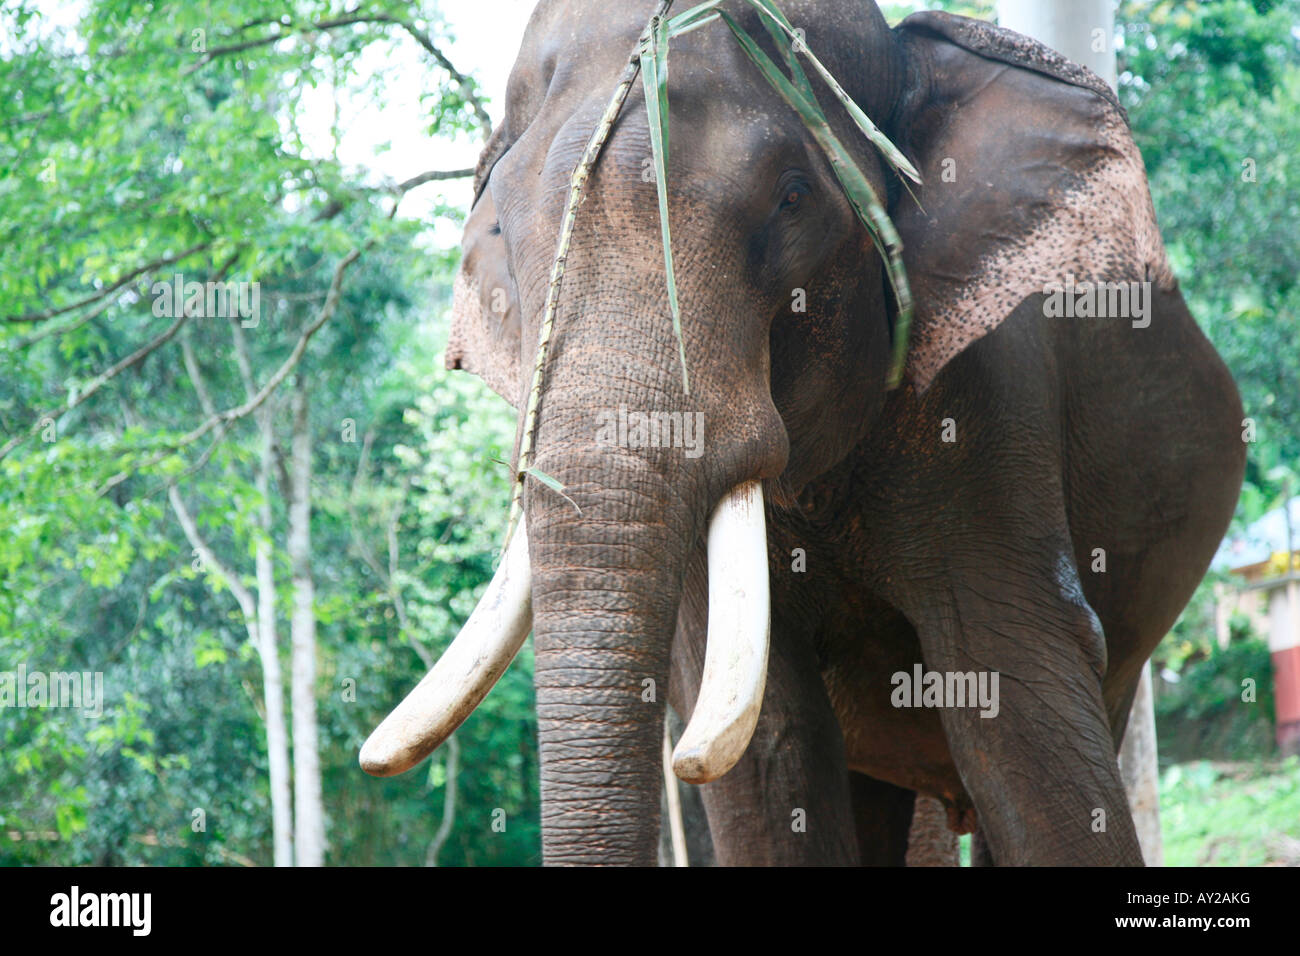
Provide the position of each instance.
(968, 555)
(1047, 159)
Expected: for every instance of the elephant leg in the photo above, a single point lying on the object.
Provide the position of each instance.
(1040, 762)
(787, 802)
(882, 815)
(931, 842)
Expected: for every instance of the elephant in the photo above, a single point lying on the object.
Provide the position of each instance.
(832, 570)
(929, 840)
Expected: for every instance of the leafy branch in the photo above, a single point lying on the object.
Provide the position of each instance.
(463, 82)
(111, 287)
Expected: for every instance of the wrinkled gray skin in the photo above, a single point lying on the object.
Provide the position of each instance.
(1070, 438)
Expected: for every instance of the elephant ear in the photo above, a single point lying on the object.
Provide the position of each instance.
(485, 315)
(1030, 175)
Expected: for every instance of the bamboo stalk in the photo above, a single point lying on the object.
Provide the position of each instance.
(651, 48)
(577, 182)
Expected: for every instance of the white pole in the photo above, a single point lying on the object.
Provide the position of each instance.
(1082, 30)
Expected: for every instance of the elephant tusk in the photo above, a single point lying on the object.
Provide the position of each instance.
(735, 659)
(463, 675)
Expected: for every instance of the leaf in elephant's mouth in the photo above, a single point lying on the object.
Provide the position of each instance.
(650, 58)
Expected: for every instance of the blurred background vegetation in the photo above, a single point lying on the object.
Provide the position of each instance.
(133, 147)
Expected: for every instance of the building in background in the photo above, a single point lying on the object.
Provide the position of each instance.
(1265, 589)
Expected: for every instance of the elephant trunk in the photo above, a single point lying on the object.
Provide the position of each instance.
(603, 634)
(610, 556)
(607, 595)
(602, 631)
(606, 559)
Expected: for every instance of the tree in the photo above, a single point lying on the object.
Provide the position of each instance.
(141, 437)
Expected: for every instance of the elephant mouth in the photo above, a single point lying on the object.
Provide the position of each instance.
(735, 661)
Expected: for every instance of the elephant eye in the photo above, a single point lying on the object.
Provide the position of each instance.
(793, 196)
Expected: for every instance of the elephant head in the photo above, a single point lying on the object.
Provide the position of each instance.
(1029, 173)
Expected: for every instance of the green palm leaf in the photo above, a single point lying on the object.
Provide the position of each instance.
(860, 193)
(553, 483)
(654, 76)
(777, 23)
(797, 91)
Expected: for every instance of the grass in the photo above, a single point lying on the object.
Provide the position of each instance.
(1226, 814)
(1231, 814)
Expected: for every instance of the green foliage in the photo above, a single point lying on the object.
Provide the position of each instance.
(1212, 89)
(1205, 715)
(979, 9)
(654, 74)
(134, 149)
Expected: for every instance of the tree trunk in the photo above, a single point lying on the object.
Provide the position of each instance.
(259, 616)
(272, 683)
(309, 822)
(1137, 765)
(452, 750)
(277, 737)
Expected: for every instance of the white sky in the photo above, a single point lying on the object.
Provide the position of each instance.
(390, 138)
